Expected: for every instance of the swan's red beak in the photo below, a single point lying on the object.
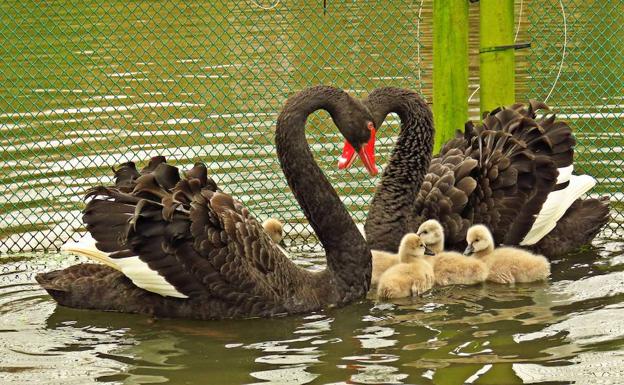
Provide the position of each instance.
(366, 153)
(348, 156)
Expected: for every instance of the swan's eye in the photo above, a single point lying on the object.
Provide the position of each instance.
(424, 232)
(370, 126)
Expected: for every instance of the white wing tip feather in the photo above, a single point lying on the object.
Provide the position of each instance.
(142, 276)
(132, 267)
(555, 207)
(85, 247)
(565, 173)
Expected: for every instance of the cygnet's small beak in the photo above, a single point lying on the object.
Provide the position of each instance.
(469, 250)
(428, 251)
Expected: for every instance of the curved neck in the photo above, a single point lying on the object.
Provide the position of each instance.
(348, 256)
(404, 173)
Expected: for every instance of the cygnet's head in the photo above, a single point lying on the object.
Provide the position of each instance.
(274, 228)
(479, 239)
(412, 247)
(431, 233)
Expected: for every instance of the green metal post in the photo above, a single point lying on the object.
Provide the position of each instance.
(496, 67)
(450, 68)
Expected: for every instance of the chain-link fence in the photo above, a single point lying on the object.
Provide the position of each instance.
(576, 64)
(92, 84)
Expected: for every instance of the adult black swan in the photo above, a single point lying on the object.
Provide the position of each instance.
(179, 247)
(512, 172)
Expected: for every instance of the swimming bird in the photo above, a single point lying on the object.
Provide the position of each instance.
(506, 265)
(382, 261)
(449, 267)
(513, 172)
(187, 249)
(412, 276)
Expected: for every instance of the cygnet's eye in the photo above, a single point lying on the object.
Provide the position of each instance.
(424, 231)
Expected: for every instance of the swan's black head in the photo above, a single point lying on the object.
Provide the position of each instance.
(355, 122)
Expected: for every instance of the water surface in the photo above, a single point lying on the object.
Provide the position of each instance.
(569, 330)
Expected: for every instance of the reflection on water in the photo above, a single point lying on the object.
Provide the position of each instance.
(569, 329)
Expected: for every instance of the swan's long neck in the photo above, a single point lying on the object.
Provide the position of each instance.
(348, 256)
(394, 198)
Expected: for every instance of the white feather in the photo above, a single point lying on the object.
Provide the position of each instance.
(85, 247)
(360, 227)
(565, 173)
(145, 278)
(556, 205)
(132, 267)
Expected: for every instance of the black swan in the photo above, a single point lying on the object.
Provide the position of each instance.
(512, 173)
(204, 252)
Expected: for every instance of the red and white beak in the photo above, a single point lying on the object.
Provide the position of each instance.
(366, 153)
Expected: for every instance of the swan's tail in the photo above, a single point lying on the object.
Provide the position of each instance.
(132, 267)
(579, 225)
(556, 205)
(85, 247)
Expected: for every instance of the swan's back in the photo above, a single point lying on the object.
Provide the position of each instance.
(501, 173)
(181, 237)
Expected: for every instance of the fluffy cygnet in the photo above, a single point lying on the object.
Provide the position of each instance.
(412, 276)
(450, 268)
(274, 228)
(505, 264)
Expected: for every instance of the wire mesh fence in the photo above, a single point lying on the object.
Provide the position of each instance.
(576, 65)
(93, 84)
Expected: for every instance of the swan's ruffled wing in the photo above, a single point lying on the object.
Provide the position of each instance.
(520, 160)
(245, 259)
(513, 182)
(507, 180)
(444, 194)
(199, 240)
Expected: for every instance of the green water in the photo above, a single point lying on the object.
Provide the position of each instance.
(568, 330)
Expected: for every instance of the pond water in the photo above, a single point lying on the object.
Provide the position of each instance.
(569, 330)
